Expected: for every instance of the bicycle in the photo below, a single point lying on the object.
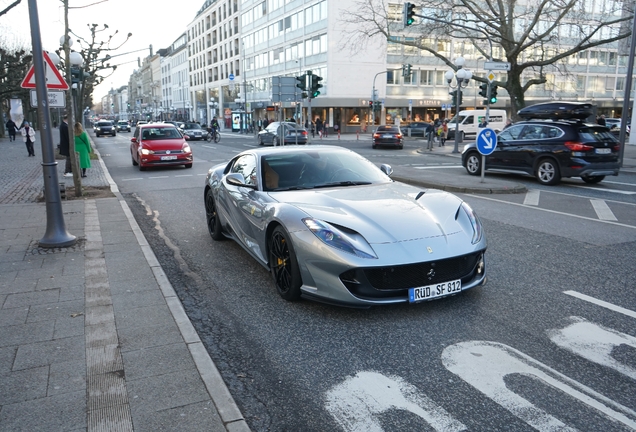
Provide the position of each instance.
(213, 135)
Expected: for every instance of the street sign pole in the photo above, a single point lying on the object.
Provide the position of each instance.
(486, 143)
(56, 234)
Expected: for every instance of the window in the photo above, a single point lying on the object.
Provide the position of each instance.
(246, 165)
(426, 77)
(391, 77)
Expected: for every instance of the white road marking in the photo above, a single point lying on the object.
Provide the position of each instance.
(594, 343)
(532, 197)
(357, 401)
(184, 175)
(554, 211)
(209, 146)
(159, 177)
(132, 179)
(437, 167)
(484, 365)
(619, 183)
(604, 190)
(610, 306)
(602, 210)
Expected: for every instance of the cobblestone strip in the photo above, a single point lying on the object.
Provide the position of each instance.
(26, 190)
(107, 399)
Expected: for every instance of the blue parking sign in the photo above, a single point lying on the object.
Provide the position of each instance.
(486, 141)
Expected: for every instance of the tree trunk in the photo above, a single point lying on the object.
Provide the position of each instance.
(515, 91)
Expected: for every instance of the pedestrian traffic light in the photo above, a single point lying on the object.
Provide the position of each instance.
(377, 106)
(315, 85)
(304, 95)
(302, 83)
(493, 94)
(76, 75)
(370, 104)
(409, 14)
(453, 97)
(406, 70)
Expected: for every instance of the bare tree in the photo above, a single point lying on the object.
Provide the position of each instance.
(529, 34)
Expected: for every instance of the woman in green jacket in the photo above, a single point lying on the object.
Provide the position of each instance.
(83, 147)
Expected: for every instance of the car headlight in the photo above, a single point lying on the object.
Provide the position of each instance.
(145, 151)
(478, 231)
(347, 241)
(186, 148)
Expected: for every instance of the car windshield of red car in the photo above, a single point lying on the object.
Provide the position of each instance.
(160, 133)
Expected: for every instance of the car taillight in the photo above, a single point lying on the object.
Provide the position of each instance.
(577, 146)
(376, 135)
(399, 135)
(616, 148)
(303, 133)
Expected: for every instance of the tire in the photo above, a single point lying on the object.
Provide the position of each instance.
(134, 162)
(473, 163)
(275, 141)
(260, 141)
(217, 137)
(188, 165)
(374, 146)
(141, 168)
(212, 217)
(283, 265)
(593, 179)
(548, 172)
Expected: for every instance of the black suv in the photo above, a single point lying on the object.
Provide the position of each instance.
(105, 127)
(551, 143)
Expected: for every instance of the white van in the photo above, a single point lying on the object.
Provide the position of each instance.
(469, 122)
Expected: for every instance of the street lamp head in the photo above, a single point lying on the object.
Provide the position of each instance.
(55, 59)
(75, 58)
(70, 41)
(449, 76)
(460, 61)
(461, 75)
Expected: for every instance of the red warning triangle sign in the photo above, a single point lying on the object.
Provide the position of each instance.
(54, 79)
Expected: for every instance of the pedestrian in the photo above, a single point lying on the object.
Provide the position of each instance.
(28, 135)
(265, 123)
(508, 124)
(319, 126)
(325, 128)
(11, 128)
(83, 147)
(65, 146)
(444, 132)
(601, 120)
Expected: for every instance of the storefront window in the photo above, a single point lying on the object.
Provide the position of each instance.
(354, 117)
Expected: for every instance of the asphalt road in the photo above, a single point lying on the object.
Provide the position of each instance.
(549, 343)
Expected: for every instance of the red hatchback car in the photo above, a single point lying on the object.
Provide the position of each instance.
(159, 144)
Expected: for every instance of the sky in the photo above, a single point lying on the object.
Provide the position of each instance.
(148, 22)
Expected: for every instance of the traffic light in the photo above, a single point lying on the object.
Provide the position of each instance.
(302, 83)
(304, 95)
(377, 106)
(453, 97)
(315, 85)
(76, 75)
(371, 104)
(409, 14)
(406, 70)
(483, 92)
(493, 94)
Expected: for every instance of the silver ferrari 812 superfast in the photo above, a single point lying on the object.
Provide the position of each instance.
(331, 226)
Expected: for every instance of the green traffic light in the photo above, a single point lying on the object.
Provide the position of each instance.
(315, 94)
(493, 100)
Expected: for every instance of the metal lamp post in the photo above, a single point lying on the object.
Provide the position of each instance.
(462, 78)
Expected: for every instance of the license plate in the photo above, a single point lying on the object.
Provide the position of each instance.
(436, 290)
(387, 136)
(168, 157)
(603, 151)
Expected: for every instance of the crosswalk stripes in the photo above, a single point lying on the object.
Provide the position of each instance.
(602, 210)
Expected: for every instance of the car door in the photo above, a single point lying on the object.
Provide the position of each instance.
(134, 145)
(244, 207)
(507, 146)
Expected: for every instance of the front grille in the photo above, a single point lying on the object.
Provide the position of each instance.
(172, 152)
(392, 281)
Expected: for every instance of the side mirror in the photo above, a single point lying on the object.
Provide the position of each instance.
(386, 169)
(237, 179)
(134, 140)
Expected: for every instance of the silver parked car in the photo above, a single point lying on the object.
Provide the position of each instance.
(331, 226)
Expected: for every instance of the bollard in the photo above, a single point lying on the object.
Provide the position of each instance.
(338, 135)
(63, 191)
(358, 134)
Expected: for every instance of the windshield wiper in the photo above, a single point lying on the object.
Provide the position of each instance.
(288, 188)
(343, 183)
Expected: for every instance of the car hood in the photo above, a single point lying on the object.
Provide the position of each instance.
(166, 144)
(384, 213)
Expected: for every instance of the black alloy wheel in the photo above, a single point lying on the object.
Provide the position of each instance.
(212, 217)
(473, 163)
(593, 179)
(548, 172)
(283, 265)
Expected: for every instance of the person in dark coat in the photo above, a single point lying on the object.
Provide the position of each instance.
(64, 146)
(11, 128)
(319, 127)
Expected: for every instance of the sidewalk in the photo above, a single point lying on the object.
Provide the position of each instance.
(93, 336)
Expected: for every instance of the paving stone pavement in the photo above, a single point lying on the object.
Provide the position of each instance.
(76, 354)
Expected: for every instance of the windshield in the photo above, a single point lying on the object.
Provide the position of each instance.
(315, 169)
(191, 126)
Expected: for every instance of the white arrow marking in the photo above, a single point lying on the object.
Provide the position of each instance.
(487, 141)
(594, 343)
(484, 365)
(357, 401)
